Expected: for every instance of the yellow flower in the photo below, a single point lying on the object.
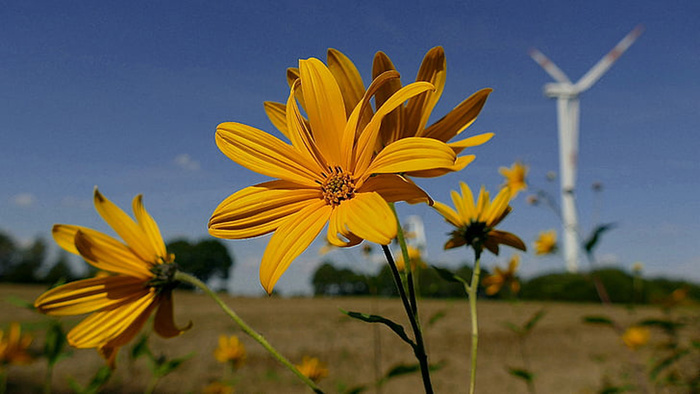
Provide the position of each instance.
(546, 243)
(230, 350)
(635, 337)
(313, 369)
(476, 222)
(495, 282)
(13, 347)
(217, 388)
(515, 177)
(407, 120)
(414, 256)
(329, 173)
(119, 304)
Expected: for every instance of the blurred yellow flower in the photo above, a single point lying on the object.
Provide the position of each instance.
(14, 346)
(515, 177)
(406, 120)
(119, 304)
(313, 369)
(635, 337)
(218, 388)
(495, 282)
(414, 256)
(546, 243)
(328, 175)
(230, 350)
(476, 222)
(637, 268)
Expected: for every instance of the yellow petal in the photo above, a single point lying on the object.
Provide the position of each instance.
(259, 209)
(348, 78)
(164, 322)
(300, 133)
(395, 188)
(418, 108)
(412, 154)
(89, 295)
(368, 216)
(449, 214)
(336, 227)
(468, 199)
(461, 117)
(262, 153)
(277, 113)
(459, 165)
(127, 229)
(476, 140)
(64, 235)
(292, 77)
(391, 125)
(290, 240)
(120, 260)
(460, 205)
(149, 227)
(498, 206)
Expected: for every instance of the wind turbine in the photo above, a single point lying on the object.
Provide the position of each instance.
(567, 94)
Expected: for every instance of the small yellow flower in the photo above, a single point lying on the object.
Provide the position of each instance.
(121, 303)
(218, 388)
(14, 345)
(515, 177)
(476, 222)
(546, 243)
(330, 175)
(313, 369)
(497, 280)
(636, 336)
(414, 256)
(230, 350)
(637, 268)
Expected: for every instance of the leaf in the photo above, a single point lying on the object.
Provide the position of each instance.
(140, 348)
(449, 275)
(530, 324)
(667, 325)
(402, 369)
(397, 328)
(593, 239)
(522, 374)
(667, 362)
(356, 390)
(100, 379)
(517, 330)
(167, 366)
(19, 302)
(598, 320)
(436, 317)
(54, 343)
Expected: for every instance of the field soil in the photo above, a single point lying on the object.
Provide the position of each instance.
(565, 354)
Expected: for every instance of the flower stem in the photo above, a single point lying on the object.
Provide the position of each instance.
(419, 348)
(187, 278)
(471, 292)
(407, 265)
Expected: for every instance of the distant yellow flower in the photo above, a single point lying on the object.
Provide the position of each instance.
(14, 345)
(407, 120)
(515, 177)
(230, 350)
(218, 388)
(635, 337)
(498, 279)
(119, 304)
(476, 222)
(329, 174)
(546, 243)
(414, 256)
(313, 369)
(637, 268)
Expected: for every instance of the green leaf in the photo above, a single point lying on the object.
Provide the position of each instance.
(397, 328)
(667, 325)
(19, 302)
(356, 390)
(511, 326)
(594, 238)
(530, 324)
(436, 317)
(402, 369)
(167, 366)
(522, 374)
(100, 379)
(140, 348)
(54, 343)
(667, 362)
(449, 275)
(598, 320)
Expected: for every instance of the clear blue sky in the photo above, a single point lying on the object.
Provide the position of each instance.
(127, 95)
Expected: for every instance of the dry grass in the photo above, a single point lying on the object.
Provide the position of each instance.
(562, 350)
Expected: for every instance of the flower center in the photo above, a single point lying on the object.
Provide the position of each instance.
(163, 276)
(337, 186)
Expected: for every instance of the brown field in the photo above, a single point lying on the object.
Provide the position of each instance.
(566, 355)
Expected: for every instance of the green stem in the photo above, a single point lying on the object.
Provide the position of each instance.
(187, 278)
(152, 385)
(400, 237)
(471, 292)
(48, 378)
(419, 348)
(3, 380)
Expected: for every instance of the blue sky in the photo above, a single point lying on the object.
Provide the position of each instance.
(127, 96)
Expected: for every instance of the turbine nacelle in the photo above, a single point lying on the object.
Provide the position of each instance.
(560, 90)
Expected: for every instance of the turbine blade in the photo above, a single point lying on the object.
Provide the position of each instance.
(594, 74)
(548, 66)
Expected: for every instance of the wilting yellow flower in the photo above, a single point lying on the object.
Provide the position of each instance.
(497, 280)
(218, 388)
(313, 369)
(546, 243)
(476, 222)
(329, 173)
(14, 345)
(407, 120)
(120, 304)
(636, 336)
(515, 177)
(230, 350)
(414, 256)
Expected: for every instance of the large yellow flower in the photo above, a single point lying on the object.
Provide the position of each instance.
(329, 174)
(119, 304)
(409, 119)
(515, 177)
(495, 282)
(14, 345)
(476, 221)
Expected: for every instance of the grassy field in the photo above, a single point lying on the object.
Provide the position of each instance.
(566, 355)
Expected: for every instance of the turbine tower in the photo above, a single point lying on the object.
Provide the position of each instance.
(566, 93)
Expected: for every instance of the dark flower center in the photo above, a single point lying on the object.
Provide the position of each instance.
(163, 276)
(337, 186)
(475, 233)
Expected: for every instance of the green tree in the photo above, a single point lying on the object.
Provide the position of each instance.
(60, 272)
(8, 252)
(331, 281)
(205, 259)
(26, 270)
